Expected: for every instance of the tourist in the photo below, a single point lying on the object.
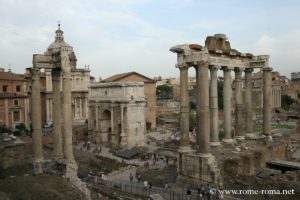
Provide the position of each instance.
(150, 185)
(208, 192)
(188, 193)
(145, 184)
(167, 160)
(131, 178)
(139, 177)
(219, 194)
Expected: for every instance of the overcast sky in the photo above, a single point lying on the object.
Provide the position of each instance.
(116, 36)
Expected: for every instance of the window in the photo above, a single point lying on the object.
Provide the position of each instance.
(5, 88)
(16, 102)
(18, 88)
(16, 116)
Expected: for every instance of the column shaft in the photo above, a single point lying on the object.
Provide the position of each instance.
(267, 101)
(248, 100)
(227, 95)
(203, 121)
(36, 117)
(184, 109)
(56, 112)
(67, 110)
(238, 103)
(213, 106)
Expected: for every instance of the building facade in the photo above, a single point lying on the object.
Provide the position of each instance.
(14, 101)
(116, 113)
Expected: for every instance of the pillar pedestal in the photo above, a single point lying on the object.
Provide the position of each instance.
(228, 141)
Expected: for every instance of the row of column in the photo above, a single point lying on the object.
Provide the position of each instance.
(207, 105)
(61, 111)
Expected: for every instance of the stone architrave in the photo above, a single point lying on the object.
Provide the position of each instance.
(248, 100)
(203, 121)
(227, 95)
(56, 112)
(238, 103)
(184, 109)
(213, 106)
(267, 102)
(36, 122)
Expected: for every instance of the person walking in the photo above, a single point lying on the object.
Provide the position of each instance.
(188, 193)
(130, 177)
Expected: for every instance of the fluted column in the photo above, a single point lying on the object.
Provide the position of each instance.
(184, 109)
(56, 112)
(67, 112)
(213, 106)
(123, 135)
(238, 103)
(227, 95)
(248, 100)
(36, 122)
(202, 103)
(267, 102)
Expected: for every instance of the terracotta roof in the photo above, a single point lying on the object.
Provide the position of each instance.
(119, 77)
(10, 76)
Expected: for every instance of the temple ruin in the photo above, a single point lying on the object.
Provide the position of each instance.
(59, 58)
(199, 164)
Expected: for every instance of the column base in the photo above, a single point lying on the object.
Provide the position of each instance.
(240, 138)
(215, 144)
(200, 168)
(71, 169)
(185, 149)
(269, 138)
(37, 167)
(228, 141)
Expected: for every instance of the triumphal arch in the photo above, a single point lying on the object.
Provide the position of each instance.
(199, 164)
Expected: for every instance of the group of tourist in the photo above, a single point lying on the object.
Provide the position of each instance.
(207, 192)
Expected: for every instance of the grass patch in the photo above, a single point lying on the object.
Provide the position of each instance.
(39, 187)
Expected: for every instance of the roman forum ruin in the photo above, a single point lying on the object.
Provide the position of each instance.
(216, 55)
(58, 58)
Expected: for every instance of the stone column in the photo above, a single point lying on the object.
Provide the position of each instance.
(248, 100)
(213, 107)
(56, 112)
(184, 109)
(36, 117)
(267, 102)
(227, 94)
(67, 116)
(97, 118)
(202, 102)
(238, 103)
(123, 135)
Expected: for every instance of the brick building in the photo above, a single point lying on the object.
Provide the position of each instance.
(14, 102)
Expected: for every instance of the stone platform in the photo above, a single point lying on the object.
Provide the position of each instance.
(199, 168)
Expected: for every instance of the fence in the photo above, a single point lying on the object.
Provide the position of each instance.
(139, 189)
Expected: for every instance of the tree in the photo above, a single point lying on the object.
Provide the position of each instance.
(286, 101)
(163, 91)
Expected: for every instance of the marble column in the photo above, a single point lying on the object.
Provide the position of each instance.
(123, 135)
(267, 102)
(202, 103)
(238, 103)
(213, 106)
(56, 112)
(227, 95)
(67, 115)
(184, 109)
(36, 117)
(248, 100)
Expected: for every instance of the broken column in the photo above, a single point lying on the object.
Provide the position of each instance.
(56, 112)
(213, 106)
(267, 102)
(184, 109)
(238, 104)
(202, 103)
(227, 93)
(248, 100)
(36, 122)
